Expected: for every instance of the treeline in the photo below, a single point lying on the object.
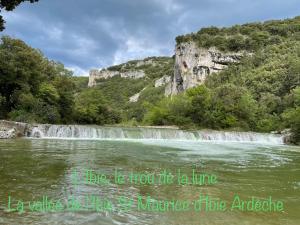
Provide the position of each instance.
(35, 89)
(249, 37)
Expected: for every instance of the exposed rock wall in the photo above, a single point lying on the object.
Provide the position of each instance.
(10, 129)
(162, 81)
(193, 65)
(105, 74)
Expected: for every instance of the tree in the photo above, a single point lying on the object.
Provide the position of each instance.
(91, 108)
(10, 5)
(21, 71)
(33, 88)
(201, 103)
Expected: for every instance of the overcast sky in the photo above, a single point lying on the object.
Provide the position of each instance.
(86, 34)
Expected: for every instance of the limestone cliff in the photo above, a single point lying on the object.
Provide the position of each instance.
(193, 65)
(105, 74)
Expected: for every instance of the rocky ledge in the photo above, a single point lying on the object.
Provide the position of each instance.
(10, 129)
(7, 134)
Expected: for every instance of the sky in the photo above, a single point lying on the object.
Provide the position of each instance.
(93, 34)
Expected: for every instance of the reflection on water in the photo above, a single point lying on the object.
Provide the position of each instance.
(31, 168)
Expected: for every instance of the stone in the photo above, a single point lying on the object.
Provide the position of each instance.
(168, 89)
(106, 74)
(136, 97)
(8, 134)
(193, 65)
(162, 81)
(11, 129)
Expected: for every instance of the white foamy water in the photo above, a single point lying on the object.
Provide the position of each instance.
(118, 133)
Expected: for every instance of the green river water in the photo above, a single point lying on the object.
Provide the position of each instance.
(33, 168)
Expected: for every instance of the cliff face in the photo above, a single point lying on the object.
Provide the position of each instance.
(106, 74)
(193, 65)
(191, 68)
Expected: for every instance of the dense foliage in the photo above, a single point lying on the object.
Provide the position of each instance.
(250, 37)
(35, 89)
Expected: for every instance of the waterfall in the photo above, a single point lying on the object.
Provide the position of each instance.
(97, 132)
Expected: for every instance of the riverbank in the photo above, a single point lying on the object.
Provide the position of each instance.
(12, 129)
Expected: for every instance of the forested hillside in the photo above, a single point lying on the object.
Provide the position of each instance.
(260, 93)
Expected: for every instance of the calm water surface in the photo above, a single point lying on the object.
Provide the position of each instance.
(31, 168)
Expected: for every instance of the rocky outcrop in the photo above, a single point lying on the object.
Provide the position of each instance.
(287, 136)
(193, 65)
(7, 134)
(136, 97)
(162, 81)
(10, 129)
(106, 74)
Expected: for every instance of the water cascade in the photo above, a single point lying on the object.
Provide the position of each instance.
(117, 133)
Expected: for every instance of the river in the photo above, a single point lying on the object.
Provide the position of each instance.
(246, 164)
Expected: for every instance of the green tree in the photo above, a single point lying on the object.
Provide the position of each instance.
(201, 101)
(92, 108)
(33, 88)
(175, 111)
(22, 70)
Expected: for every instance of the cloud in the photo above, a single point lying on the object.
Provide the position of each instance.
(99, 33)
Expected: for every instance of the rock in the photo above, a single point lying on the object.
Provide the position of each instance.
(286, 132)
(11, 129)
(162, 81)
(136, 97)
(8, 134)
(133, 74)
(287, 136)
(144, 62)
(193, 65)
(168, 89)
(106, 74)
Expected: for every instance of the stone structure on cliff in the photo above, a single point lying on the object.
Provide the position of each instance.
(193, 65)
(105, 74)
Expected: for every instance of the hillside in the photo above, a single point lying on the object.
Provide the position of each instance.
(245, 77)
(137, 83)
(260, 92)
